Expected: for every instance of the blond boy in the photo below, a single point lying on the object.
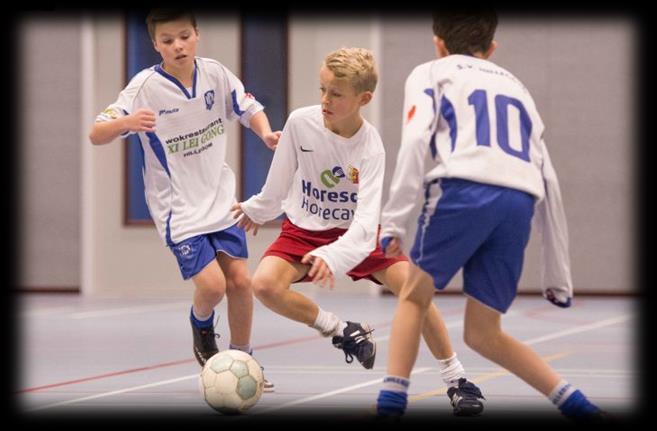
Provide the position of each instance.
(327, 177)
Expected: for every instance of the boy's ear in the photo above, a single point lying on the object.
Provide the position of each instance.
(441, 49)
(491, 49)
(366, 97)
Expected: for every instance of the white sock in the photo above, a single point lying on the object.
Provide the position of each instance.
(451, 370)
(328, 324)
(395, 384)
(245, 348)
(561, 392)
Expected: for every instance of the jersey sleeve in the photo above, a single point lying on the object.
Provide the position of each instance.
(266, 205)
(125, 102)
(240, 105)
(360, 238)
(419, 113)
(550, 221)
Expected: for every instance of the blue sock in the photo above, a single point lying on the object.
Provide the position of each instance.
(577, 405)
(201, 323)
(391, 403)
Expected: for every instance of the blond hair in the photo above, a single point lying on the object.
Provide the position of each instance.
(356, 65)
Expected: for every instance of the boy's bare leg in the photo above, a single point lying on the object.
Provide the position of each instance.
(239, 295)
(271, 285)
(434, 330)
(407, 325)
(483, 333)
(412, 306)
(210, 287)
(415, 315)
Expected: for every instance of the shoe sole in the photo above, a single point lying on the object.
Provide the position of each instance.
(369, 364)
(469, 411)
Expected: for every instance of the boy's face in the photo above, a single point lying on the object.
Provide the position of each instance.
(339, 99)
(176, 42)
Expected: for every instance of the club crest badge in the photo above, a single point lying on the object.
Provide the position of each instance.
(209, 99)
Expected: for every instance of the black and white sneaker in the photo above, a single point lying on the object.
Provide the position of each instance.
(205, 344)
(465, 399)
(268, 386)
(357, 341)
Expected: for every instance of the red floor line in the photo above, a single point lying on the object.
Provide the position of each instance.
(173, 363)
(102, 376)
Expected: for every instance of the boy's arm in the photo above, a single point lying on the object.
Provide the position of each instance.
(550, 221)
(359, 240)
(419, 112)
(118, 119)
(243, 106)
(260, 125)
(105, 131)
(266, 205)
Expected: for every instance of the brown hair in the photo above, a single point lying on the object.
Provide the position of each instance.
(159, 16)
(465, 32)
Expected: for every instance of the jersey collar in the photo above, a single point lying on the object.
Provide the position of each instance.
(161, 71)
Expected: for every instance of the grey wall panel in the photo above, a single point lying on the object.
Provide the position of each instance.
(49, 140)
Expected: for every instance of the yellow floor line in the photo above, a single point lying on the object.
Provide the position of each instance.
(479, 379)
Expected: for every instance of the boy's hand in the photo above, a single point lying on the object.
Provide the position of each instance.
(271, 139)
(244, 221)
(391, 246)
(142, 120)
(319, 272)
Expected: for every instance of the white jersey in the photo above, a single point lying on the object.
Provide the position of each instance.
(188, 185)
(322, 181)
(469, 118)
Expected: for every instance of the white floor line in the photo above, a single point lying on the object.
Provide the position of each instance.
(120, 391)
(578, 329)
(286, 369)
(128, 310)
(558, 334)
(38, 312)
(451, 324)
(335, 392)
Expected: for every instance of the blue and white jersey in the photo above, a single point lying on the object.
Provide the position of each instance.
(465, 117)
(188, 185)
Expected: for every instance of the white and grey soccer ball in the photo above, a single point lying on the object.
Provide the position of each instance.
(231, 382)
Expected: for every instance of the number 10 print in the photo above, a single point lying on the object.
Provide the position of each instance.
(479, 101)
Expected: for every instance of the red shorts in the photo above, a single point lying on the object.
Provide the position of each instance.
(293, 243)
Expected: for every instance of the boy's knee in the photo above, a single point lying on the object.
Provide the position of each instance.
(265, 288)
(213, 292)
(418, 294)
(239, 283)
(472, 339)
(477, 337)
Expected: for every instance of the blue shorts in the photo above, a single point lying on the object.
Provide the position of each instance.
(194, 253)
(481, 228)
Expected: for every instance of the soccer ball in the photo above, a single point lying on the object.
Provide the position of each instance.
(231, 382)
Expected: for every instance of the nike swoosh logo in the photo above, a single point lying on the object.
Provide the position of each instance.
(305, 151)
